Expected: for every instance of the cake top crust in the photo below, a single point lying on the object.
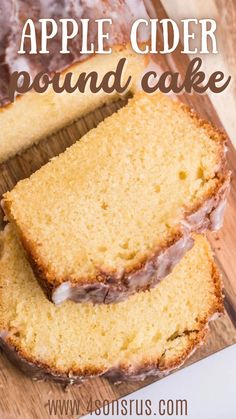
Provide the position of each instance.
(13, 15)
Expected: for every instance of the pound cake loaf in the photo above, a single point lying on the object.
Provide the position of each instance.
(32, 116)
(113, 214)
(150, 333)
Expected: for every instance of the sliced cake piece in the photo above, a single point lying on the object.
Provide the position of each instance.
(114, 212)
(33, 116)
(150, 333)
(48, 112)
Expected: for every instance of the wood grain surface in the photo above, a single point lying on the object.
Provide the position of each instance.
(22, 398)
(224, 13)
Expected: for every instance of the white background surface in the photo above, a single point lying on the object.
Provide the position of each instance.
(209, 386)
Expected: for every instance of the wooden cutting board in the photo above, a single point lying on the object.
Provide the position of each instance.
(22, 398)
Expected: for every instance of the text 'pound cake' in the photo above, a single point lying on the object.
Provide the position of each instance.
(114, 213)
(150, 333)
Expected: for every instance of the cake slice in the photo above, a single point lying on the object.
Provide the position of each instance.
(33, 116)
(150, 333)
(49, 112)
(114, 213)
